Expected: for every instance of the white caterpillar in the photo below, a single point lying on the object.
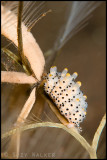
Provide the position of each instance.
(67, 95)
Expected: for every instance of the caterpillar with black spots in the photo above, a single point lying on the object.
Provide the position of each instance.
(66, 94)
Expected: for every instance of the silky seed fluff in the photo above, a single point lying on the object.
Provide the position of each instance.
(66, 94)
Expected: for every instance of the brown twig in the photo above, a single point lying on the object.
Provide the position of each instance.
(19, 38)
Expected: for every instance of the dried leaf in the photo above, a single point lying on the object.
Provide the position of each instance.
(31, 49)
(17, 77)
(27, 107)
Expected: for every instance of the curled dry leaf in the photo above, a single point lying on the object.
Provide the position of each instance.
(17, 77)
(31, 49)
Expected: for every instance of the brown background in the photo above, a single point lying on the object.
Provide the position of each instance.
(84, 53)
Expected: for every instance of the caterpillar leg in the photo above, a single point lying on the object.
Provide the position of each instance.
(70, 125)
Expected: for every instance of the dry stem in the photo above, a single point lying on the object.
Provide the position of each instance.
(91, 149)
(98, 133)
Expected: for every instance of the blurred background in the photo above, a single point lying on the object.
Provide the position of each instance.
(83, 53)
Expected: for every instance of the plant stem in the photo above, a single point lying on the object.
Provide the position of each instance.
(19, 30)
(93, 154)
(20, 41)
(12, 56)
(71, 131)
(98, 132)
